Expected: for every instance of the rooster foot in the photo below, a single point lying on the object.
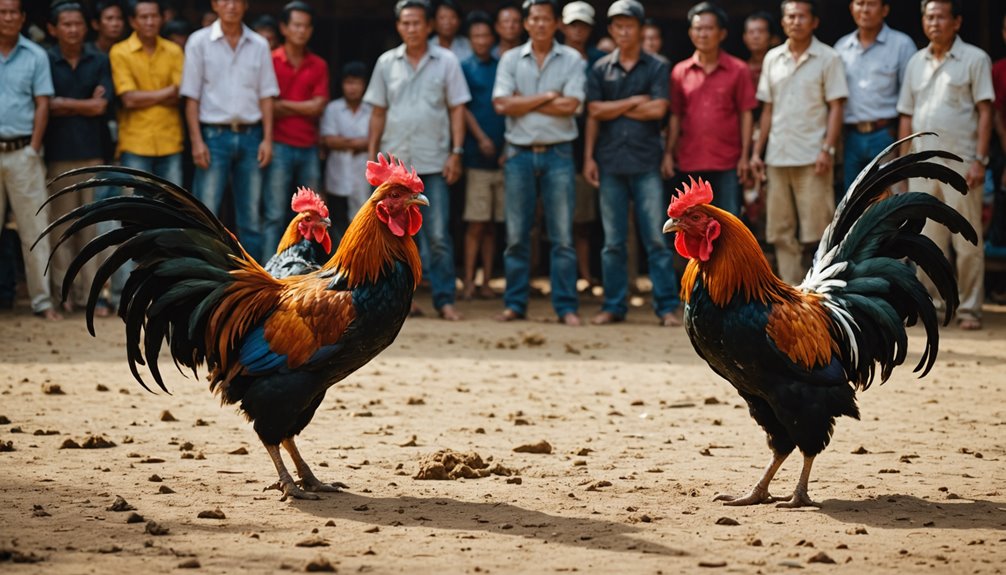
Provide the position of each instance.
(290, 489)
(756, 497)
(800, 498)
(312, 483)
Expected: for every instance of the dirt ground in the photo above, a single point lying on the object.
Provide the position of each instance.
(643, 436)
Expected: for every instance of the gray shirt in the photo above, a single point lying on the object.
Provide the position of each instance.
(24, 74)
(228, 83)
(562, 72)
(417, 126)
(874, 74)
(345, 170)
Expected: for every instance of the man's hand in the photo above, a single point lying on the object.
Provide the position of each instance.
(264, 153)
(200, 154)
(976, 174)
(591, 173)
(823, 163)
(99, 91)
(667, 166)
(487, 147)
(757, 168)
(743, 170)
(452, 169)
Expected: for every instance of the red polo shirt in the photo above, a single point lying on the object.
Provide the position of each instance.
(999, 85)
(298, 85)
(709, 106)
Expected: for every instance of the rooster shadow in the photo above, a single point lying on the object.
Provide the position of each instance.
(490, 517)
(894, 511)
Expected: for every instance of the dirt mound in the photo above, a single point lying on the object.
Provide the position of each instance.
(449, 464)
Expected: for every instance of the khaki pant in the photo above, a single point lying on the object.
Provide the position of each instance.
(22, 183)
(969, 259)
(798, 201)
(69, 249)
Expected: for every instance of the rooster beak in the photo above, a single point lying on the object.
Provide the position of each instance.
(671, 225)
(420, 199)
(327, 222)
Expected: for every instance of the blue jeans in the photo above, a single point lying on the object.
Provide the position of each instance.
(168, 167)
(434, 238)
(726, 188)
(860, 149)
(234, 158)
(646, 192)
(525, 175)
(291, 167)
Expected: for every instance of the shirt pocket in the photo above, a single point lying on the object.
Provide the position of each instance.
(21, 84)
(433, 93)
(958, 89)
(249, 72)
(882, 78)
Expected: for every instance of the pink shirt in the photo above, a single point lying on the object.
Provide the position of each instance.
(999, 85)
(709, 107)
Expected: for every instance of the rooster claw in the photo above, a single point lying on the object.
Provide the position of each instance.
(756, 497)
(290, 489)
(314, 484)
(797, 500)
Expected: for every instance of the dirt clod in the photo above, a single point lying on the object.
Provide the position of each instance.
(727, 521)
(189, 564)
(6, 446)
(97, 442)
(167, 416)
(211, 514)
(120, 505)
(53, 389)
(319, 565)
(156, 529)
(313, 542)
(450, 464)
(134, 518)
(165, 490)
(821, 557)
(239, 451)
(542, 446)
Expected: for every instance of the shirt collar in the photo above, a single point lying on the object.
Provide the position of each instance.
(693, 61)
(133, 43)
(86, 52)
(525, 49)
(953, 52)
(814, 49)
(217, 32)
(400, 51)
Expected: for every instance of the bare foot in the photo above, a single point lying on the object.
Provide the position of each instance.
(49, 314)
(508, 315)
(416, 311)
(756, 497)
(606, 317)
(571, 319)
(468, 292)
(672, 318)
(450, 313)
(486, 292)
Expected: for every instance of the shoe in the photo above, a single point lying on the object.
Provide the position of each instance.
(606, 317)
(571, 319)
(509, 315)
(450, 313)
(672, 318)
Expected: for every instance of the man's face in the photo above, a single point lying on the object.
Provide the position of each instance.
(11, 19)
(110, 23)
(446, 23)
(626, 31)
(230, 12)
(939, 23)
(353, 88)
(508, 25)
(653, 40)
(413, 27)
(299, 29)
(705, 32)
(481, 37)
(798, 22)
(147, 20)
(577, 33)
(541, 23)
(70, 29)
(869, 14)
(756, 36)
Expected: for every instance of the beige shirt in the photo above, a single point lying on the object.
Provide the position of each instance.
(799, 91)
(941, 96)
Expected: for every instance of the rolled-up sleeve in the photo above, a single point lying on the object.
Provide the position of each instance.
(576, 82)
(506, 83)
(122, 76)
(377, 91)
(981, 84)
(764, 83)
(906, 100)
(835, 85)
(660, 86)
(594, 84)
(192, 71)
(41, 84)
(267, 85)
(457, 88)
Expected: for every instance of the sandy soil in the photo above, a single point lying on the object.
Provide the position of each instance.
(643, 436)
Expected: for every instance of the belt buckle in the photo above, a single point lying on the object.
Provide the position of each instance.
(539, 148)
(866, 127)
(235, 126)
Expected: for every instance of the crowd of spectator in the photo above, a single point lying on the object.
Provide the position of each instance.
(546, 135)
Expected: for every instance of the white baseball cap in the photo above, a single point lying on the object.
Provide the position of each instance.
(578, 12)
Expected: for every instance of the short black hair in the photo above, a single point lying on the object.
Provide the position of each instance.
(354, 69)
(811, 3)
(768, 18)
(101, 5)
(506, 6)
(176, 26)
(525, 9)
(296, 6)
(265, 21)
(401, 5)
(956, 7)
(132, 4)
(708, 8)
(651, 23)
(450, 5)
(478, 17)
(66, 6)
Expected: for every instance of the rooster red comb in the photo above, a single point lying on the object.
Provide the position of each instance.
(697, 193)
(392, 170)
(306, 200)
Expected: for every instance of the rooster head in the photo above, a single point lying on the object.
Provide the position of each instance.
(694, 220)
(312, 217)
(398, 195)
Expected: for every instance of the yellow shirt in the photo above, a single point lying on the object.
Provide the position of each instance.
(155, 130)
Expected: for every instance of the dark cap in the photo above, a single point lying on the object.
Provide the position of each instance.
(630, 8)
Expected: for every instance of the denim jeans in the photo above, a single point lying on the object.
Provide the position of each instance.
(167, 167)
(525, 175)
(726, 188)
(860, 149)
(434, 238)
(291, 167)
(234, 158)
(646, 192)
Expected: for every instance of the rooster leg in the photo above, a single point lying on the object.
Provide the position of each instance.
(800, 498)
(285, 483)
(760, 492)
(307, 479)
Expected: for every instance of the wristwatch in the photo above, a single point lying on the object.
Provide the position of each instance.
(458, 150)
(829, 149)
(983, 160)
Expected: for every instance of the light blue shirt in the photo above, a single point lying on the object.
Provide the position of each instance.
(874, 74)
(24, 74)
(563, 72)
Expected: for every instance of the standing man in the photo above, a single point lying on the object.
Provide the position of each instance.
(653, 37)
(508, 28)
(303, 94)
(447, 21)
(418, 93)
(875, 58)
(82, 82)
(948, 90)
(626, 102)
(540, 88)
(712, 88)
(108, 23)
(25, 90)
(802, 86)
(344, 131)
(230, 83)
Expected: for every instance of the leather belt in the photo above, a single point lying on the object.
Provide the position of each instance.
(14, 144)
(538, 148)
(871, 126)
(234, 126)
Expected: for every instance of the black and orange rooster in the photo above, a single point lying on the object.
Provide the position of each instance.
(305, 245)
(797, 355)
(273, 346)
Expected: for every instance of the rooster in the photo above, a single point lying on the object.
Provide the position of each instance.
(272, 346)
(305, 244)
(798, 355)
